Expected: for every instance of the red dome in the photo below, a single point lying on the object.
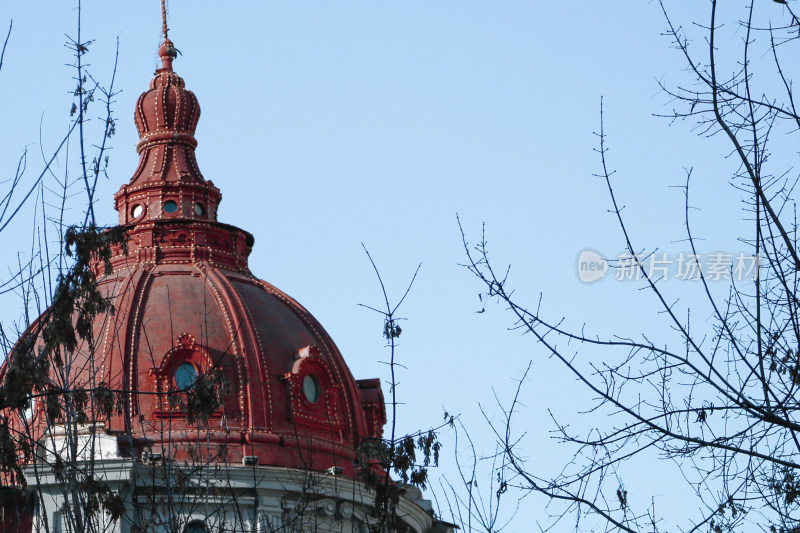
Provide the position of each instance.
(186, 304)
(184, 294)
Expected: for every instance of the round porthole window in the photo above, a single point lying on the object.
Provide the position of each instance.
(170, 206)
(311, 388)
(137, 211)
(199, 209)
(185, 376)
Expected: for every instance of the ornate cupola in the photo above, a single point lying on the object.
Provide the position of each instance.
(167, 183)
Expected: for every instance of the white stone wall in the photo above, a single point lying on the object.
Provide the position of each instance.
(163, 497)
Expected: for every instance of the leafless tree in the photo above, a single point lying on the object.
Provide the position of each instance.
(396, 463)
(718, 399)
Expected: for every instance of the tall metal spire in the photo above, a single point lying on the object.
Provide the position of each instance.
(167, 51)
(164, 28)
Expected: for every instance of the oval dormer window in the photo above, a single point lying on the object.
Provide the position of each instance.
(137, 211)
(199, 209)
(170, 206)
(311, 388)
(185, 376)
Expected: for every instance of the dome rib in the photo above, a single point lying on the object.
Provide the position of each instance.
(227, 299)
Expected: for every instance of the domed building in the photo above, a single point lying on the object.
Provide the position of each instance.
(271, 441)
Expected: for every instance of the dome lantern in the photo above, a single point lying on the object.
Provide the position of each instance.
(167, 183)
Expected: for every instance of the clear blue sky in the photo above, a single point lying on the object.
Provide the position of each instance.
(331, 124)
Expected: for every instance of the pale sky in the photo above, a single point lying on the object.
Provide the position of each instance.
(331, 124)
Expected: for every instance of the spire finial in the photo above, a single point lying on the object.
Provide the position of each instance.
(164, 28)
(167, 51)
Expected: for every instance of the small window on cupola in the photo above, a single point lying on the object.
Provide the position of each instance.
(199, 209)
(170, 206)
(137, 211)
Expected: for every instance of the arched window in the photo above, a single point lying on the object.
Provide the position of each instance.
(195, 526)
